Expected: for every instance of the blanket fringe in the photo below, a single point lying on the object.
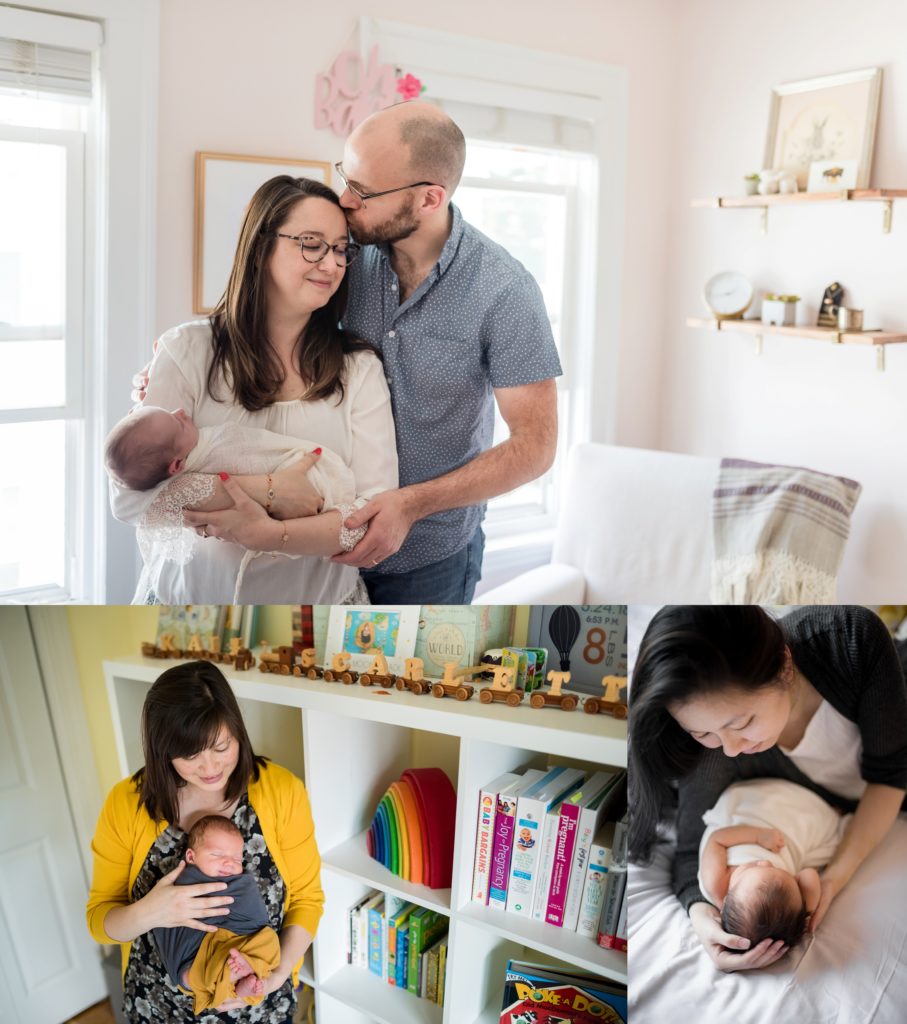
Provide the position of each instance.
(770, 577)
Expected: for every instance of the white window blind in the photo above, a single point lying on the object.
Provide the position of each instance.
(38, 68)
(493, 122)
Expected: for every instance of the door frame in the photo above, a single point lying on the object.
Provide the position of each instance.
(56, 659)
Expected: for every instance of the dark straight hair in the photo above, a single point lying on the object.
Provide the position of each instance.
(242, 356)
(688, 651)
(184, 711)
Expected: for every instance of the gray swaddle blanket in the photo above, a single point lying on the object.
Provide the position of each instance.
(246, 915)
(779, 533)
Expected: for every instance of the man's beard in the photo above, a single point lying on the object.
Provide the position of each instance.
(395, 229)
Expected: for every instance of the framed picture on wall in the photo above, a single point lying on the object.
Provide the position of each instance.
(224, 184)
(821, 119)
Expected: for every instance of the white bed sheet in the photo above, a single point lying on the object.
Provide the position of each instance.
(854, 971)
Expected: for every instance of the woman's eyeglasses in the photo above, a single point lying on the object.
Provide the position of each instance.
(314, 249)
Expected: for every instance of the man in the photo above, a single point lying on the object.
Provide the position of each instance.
(460, 325)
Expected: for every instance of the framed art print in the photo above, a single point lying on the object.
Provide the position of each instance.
(358, 629)
(820, 119)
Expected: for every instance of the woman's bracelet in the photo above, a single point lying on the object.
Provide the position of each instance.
(284, 539)
(270, 496)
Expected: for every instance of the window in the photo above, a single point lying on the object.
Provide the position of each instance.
(527, 200)
(42, 400)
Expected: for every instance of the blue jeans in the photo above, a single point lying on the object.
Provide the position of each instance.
(451, 581)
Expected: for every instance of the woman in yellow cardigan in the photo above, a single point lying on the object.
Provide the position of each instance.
(199, 761)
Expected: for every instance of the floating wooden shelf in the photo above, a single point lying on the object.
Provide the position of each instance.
(847, 195)
(878, 339)
(841, 195)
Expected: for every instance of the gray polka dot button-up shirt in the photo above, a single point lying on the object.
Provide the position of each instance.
(477, 322)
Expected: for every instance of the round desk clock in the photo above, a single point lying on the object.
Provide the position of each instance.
(728, 295)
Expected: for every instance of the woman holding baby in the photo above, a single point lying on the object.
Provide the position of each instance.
(272, 356)
(199, 762)
(724, 695)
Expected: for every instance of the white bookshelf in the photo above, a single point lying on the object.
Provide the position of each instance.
(349, 743)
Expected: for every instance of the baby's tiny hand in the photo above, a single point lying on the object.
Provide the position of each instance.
(771, 839)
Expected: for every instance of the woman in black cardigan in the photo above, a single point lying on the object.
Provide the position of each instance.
(818, 698)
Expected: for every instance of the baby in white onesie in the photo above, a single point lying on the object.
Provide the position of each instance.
(758, 856)
(151, 445)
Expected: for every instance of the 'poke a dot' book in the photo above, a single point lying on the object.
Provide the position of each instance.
(535, 994)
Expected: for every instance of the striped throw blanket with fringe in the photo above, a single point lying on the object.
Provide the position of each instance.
(779, 533)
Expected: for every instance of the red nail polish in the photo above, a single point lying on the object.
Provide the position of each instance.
(224, 476)
(317, 451)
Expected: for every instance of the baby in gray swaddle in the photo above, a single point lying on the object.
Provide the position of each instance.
(231, 962)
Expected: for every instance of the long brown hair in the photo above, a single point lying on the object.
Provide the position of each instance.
(183, 713)
(243, 359)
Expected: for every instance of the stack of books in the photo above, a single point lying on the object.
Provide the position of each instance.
(534, 993)
(548, 845)
(402, 943)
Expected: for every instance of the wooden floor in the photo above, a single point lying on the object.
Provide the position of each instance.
(100, 1013)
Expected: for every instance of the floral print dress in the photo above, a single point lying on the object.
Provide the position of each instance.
(149, 994)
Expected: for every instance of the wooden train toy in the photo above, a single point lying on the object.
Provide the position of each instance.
(608, 704)
(209, 649)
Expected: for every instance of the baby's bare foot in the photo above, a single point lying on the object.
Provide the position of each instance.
(249, 986)
(239, 966)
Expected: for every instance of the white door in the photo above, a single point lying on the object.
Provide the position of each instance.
(49, 964)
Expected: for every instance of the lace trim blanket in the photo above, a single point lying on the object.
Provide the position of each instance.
(779, 533)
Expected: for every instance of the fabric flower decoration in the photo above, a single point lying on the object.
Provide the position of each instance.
(409, 87)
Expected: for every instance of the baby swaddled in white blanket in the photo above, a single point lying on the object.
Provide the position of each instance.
(151, 446)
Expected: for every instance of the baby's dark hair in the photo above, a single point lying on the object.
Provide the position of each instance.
(135, 459)
(770, 915)
(210, 823)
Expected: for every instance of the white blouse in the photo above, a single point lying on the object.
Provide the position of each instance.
(829, 752)
(360, 429)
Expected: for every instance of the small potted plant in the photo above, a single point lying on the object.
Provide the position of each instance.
(750, 184)
(780, 310)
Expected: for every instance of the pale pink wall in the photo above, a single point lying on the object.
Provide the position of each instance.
(801, 402)
(238, 77)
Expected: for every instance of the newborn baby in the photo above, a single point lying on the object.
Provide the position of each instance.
(150, 445)
(758, 856)
(231, 962)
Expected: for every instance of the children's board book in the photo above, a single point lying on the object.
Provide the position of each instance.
(534, 994)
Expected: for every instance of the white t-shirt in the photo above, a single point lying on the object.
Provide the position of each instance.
(360, 429)
(829, 752)
(812, 829)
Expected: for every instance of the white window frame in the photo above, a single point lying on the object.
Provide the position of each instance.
(77, 502)
(119, 250)
(576, 342)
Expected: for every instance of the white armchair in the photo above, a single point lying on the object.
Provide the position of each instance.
(635, 527)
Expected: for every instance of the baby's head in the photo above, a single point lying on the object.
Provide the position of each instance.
(149, 445)
(765, 902)
(215, 846)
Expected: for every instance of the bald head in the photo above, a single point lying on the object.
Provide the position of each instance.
(435, 149)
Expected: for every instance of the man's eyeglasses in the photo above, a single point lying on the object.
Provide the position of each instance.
(362, 196)
(314, 249)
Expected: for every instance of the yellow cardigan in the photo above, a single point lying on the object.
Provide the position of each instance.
(125, 833)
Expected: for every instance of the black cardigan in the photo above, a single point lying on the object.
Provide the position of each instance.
(848, 656)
